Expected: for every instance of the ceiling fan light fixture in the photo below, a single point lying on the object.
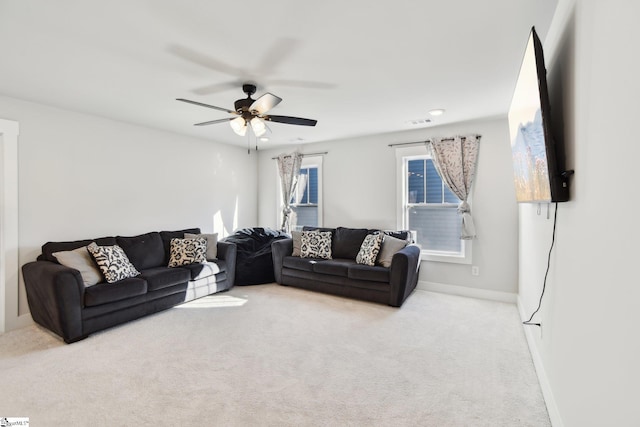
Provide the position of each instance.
(258, 126)
(239, 126)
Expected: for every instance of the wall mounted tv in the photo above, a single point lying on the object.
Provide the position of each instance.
(537, 158)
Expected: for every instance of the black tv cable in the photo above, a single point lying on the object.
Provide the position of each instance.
(544, 283)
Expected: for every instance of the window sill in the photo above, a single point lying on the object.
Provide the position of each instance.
(447, 257)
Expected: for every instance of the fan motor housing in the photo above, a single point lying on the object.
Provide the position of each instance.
(243, 104)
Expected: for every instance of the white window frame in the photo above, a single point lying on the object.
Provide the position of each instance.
(307, 162)
(403, 155)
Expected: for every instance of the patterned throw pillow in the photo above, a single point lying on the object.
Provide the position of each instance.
(112, 262)
(187, 251)
(315, 244)
(369, 249)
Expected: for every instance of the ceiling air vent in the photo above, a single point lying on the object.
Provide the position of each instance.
(419, 122)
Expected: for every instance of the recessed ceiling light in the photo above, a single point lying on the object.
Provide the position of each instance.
(264, 139)
(437, 112)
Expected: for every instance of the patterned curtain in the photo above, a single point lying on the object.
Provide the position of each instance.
(289, 170)
(455, 160)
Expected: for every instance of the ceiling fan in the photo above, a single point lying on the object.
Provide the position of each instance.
(252, 112)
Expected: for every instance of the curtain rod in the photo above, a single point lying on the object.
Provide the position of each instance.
(321, 153)
(426, 140)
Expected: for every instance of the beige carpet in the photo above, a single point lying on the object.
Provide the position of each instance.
(277, 356)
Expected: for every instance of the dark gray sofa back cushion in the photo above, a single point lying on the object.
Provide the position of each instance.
(144, 251)
(346, 242)
(402, 235)
(49, 248)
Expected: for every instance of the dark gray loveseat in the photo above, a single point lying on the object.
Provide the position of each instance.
(59, 300)
(341, 275)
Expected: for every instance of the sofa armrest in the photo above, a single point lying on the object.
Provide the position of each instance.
(405, 266)
(228, 251)
(55, 294)
(279, 250)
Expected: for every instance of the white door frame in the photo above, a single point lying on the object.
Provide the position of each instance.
(9, 263)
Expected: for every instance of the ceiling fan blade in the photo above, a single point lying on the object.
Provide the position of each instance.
(291, 120)
(217, 87)
(207, 105)
(302, 83)
(205, 60)
(276, 54)
(265, 103)
(212, 122)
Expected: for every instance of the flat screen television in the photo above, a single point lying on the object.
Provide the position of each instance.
(538, 159)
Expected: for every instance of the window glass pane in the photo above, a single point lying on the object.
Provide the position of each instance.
(304, 190)
(313, 185)
(437, 228)
(415, 181)
(449, 197)
(306, 215)
(434, 184)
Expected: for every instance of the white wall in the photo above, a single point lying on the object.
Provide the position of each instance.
(589, 346)
(83, 176)
(362, 193)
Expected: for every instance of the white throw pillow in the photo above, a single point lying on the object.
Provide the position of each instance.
(390, 245)
(297, 242)
(81, 260)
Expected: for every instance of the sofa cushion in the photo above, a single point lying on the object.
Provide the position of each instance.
(212, 243)
(316, 244)
(347, 242)
(297, 263)
(187, 251)
(296, 237)
(334, 267)
(365, 272)
(112, 262)
(104, 293)
(205, 269)
(166, 237)
(144, 251)
(81, 260)
(390, 245)
(369, 249)
(163, 277)
(313, 228)
(50, 247)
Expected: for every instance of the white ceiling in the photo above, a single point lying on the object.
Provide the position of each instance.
(358, 67)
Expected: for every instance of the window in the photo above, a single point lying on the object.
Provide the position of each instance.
(307, 202)
(429, 209)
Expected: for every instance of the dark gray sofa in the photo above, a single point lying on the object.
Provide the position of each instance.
(341, 275)
(59, 300)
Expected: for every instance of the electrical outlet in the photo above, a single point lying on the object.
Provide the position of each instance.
(475, 270)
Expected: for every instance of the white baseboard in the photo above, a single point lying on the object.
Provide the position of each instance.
(467, 292)
(547, 393)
